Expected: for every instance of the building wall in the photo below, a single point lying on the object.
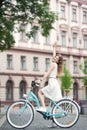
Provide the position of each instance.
(42, 50)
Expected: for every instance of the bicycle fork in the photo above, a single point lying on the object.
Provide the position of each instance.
(21, 111)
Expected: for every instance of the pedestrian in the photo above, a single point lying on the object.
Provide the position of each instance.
(52, 90)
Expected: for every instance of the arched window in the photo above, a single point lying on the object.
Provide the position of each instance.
(22, 88)
(86, 92)
(75, 91)
(9, 90)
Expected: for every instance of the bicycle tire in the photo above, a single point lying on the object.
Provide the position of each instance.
(68, 115)
(19, 117)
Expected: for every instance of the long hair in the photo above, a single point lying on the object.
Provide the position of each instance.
(60, 65)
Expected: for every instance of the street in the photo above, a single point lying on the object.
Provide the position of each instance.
(40, 124)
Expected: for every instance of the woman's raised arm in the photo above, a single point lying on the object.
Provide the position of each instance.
(54, 49)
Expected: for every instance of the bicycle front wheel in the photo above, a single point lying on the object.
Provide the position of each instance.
(65, 113)
(20, 114)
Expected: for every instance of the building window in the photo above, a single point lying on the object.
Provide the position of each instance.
(22, 88)
(75, 66)
(75, 91)
(86, 92)
(23, 62)
(74, 39)
(9, 61)
(47, 63)
(63, 38)
(63, 11)
(23, 32)
(9, 90)
(47, 40)
(35, 62)
(74, 14)
(85, 41)
(35, 37)
(84, 16)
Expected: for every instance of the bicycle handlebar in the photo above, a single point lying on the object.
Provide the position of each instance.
(34, 84)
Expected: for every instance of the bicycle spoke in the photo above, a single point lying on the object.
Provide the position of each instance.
(19, 115)
(68, 112)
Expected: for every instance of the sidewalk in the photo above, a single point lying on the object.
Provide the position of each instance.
(2, 115)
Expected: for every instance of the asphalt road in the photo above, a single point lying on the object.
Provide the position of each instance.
(40, 124)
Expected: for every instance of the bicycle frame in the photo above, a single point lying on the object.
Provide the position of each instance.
(33, 97)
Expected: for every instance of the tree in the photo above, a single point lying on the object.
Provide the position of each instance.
(66, 81)
(37, 13)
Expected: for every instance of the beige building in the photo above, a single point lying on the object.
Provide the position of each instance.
(31, 58)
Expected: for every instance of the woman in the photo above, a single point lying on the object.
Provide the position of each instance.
(52, 90)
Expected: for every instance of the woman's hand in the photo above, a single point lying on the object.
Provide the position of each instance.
(38, 81)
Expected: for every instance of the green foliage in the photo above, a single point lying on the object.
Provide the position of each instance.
(85, 80)
(84, 68)
(66, 80)
(24, 11)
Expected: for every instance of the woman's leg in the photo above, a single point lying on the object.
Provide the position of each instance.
(41, 97)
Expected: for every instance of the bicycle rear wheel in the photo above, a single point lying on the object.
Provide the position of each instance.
(65, 113)
(20, 114)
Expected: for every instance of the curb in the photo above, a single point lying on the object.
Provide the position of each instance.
(2, 120)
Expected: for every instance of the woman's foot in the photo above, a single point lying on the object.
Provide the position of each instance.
(41, 109)
(52, 125)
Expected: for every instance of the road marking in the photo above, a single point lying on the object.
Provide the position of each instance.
(2, 120)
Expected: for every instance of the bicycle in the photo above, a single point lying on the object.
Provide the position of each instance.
(64, 113)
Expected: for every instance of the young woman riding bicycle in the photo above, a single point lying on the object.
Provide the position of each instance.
(52, 90)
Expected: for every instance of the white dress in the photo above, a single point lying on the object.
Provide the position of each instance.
(52, 90)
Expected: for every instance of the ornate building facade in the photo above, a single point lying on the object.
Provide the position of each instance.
(30, 58)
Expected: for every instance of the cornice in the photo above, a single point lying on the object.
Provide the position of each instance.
(75, 28)
(80, 2)
(49, 52)
(30, 75)
(63, 26)
(30, 50)
(19, 74)
(84, 30)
